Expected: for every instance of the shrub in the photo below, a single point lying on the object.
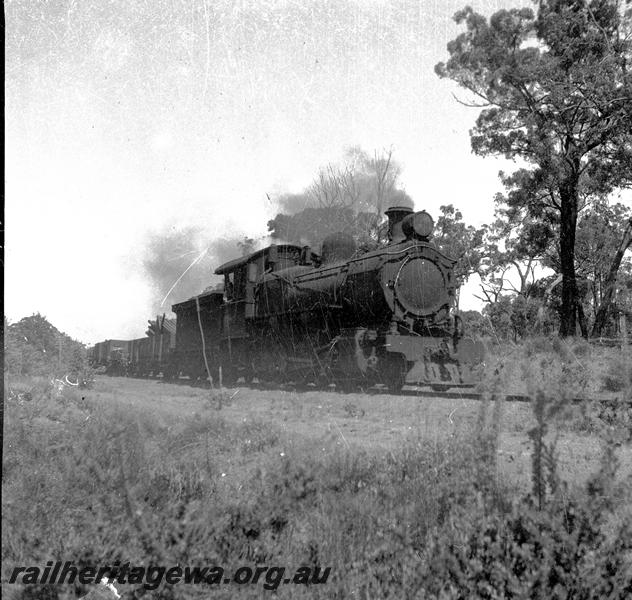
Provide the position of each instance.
(561, 552)
(430, 520)
(32, 346)
(618, 375)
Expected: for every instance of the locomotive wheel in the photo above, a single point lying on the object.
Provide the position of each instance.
(394, 373)
(346, 386)
(170, 373)
(395, 383)
(229, 375)
(322, 382)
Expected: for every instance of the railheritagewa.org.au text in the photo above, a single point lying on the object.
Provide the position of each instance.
(270, 577)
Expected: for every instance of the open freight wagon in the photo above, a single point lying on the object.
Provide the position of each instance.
(196, 316)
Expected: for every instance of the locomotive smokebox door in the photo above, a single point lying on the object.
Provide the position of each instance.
(420, 286)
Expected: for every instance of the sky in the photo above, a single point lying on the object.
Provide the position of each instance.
(127, 120)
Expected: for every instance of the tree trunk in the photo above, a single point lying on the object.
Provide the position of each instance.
(583, 326)
(595, 300)
(568, 227)
(611, 279)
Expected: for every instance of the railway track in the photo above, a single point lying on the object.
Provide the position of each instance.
(469, 394)
(472, 395)
(461, 394)
(449, 393)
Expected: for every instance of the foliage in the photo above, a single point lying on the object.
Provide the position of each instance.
(556, 93)
(552, 365)
(33, 346)
(528, 553)
(459, 241)
(598, 234)
(475, 323)
(430, 520)
(616, 414)
(349, 196)
(618, 375)
(601, 262)
(511, 250)
(516, 317)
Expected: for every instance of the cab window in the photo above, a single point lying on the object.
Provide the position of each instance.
(229, 286)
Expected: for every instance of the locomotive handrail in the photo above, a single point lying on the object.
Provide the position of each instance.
(419, 245)
(288, 281)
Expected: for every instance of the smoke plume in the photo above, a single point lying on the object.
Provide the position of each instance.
(181, 263)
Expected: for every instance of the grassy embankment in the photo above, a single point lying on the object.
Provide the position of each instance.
(402, 498)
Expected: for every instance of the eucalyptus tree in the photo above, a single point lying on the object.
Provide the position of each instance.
(556, 92)
(460, 241)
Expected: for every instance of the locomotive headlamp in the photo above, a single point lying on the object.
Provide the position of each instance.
(418, 225)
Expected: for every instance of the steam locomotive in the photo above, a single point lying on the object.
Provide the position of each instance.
(287, 313)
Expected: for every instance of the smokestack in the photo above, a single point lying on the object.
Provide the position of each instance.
(396, 215)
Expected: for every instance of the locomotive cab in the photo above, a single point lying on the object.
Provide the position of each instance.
(240, 280)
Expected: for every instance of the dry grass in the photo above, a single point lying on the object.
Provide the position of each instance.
(395, 493)
(386, 421)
